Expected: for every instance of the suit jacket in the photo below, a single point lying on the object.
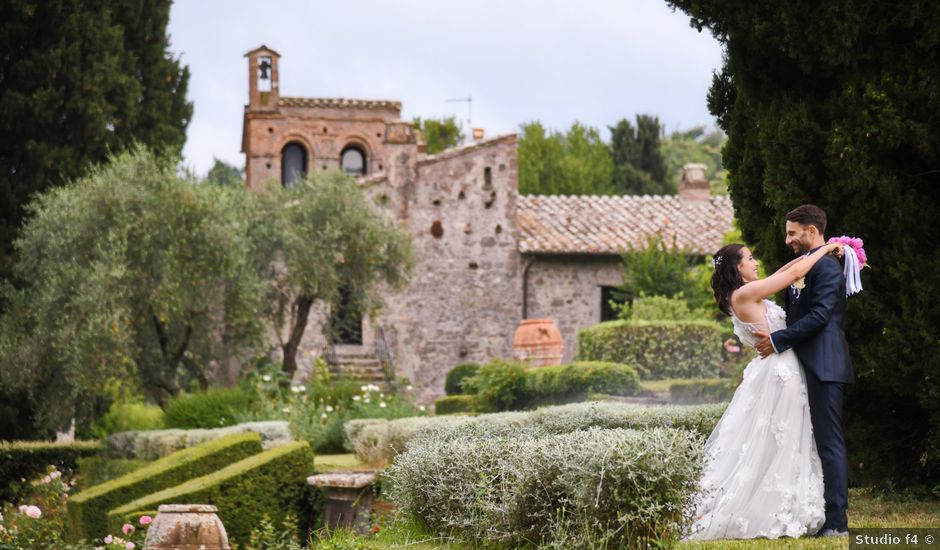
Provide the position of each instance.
(815, 324)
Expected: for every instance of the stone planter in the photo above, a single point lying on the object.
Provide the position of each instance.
(538, 342)
(186, 527)
(348, 499)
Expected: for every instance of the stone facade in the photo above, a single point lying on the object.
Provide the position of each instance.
(486, 257)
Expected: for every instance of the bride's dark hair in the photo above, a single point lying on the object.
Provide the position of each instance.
(726, 278)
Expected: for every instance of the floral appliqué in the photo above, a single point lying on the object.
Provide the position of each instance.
(798, 286)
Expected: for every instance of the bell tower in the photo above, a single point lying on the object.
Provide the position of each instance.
(263, 92)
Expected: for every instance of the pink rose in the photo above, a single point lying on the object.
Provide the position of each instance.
(33, 512)
(127, 529)
(130, 546)
(146, 520)
(108, 539)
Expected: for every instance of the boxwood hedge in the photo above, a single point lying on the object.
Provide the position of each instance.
(87, 510)
(22, 461)
(659, 349)
(271, 483)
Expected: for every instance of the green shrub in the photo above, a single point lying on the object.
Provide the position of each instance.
(21, 461)
(379, 444)
(215, 408)
(453, 385)
(659, 349)
(701, 391)
(94, 470)
(271, 483)
(125, 417)
(451, 404)
(88, 509)
(622, 488)
(151, 445)
(664, 308)
(498, 386)
(575, 381)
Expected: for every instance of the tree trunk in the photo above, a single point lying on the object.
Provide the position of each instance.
(302, 307)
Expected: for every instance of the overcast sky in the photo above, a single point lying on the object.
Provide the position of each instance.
(593, 61)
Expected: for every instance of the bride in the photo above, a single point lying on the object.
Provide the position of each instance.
(763, 477)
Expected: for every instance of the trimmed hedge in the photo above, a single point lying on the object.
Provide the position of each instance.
(589, 488)
(453, 385)
(508, 385)
(153, 444)
(659, 349)
(23, 461)
(272, 483)
(379, 444)
(701, 391)
(452, 404)
(88, 509)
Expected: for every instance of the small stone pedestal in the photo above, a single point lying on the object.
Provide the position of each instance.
(348, 500)
(186, 527)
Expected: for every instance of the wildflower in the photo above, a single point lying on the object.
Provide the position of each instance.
(422, 408)
(364, 387)
(382, 404)
(285, 410)
(409, 387)
(146, 520)
(329, 408)
(55, 474)
(127, 528)
(302, 387)
(266, 378)
(357, 397)
(33, 512)
(130, 545)
(108, 539)
(323, 415)
(295, 389)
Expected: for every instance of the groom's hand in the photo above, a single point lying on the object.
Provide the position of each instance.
(764, 346)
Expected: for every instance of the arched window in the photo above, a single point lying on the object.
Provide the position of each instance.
(293, 163)
(353, 161)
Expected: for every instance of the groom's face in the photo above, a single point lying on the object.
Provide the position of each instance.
(798, 238)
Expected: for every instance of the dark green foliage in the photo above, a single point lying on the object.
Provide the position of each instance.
(224, 174)
(80, 81)
(453, 385)
(686, 392)
(88, 509)
(507, 385)
(696, 146)
(27, 460)
(835, 104)
(658, 349)
(453, 404)
(440, 134)
(213, 408)
(272, 483)
(639, 166)
(94, 470)
(575, 162)
(662, 269)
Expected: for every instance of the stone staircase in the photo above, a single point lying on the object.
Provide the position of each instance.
(361, 365)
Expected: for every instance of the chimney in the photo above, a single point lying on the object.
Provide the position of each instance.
(477, 134)
(694, 185)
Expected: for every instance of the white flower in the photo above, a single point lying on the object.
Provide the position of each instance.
(364, 387)
(357, 397)
(329, 408)
(108, 539)
(47, 479)
(266, 378)
(323, 415)
(382, 404)
(409, 387)
(295, 389)
(285, 410)
(421, 407)
(55, 474)
(303, 388)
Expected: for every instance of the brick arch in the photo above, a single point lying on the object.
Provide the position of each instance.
(296, 138)
(361, 142)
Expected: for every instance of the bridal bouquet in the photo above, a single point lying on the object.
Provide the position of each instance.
(855, 260)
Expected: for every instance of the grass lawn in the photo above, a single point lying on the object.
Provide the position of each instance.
(866, 510)
(332, 463)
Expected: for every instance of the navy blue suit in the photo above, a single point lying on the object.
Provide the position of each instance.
(814, 331)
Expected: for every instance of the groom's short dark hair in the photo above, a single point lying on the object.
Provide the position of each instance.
(809, 214)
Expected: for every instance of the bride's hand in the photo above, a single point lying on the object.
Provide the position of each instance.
(836, 249)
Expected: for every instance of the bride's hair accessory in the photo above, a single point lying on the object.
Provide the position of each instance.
(855, 260)
(716, 261)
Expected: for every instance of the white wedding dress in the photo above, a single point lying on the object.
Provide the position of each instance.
(763, 477)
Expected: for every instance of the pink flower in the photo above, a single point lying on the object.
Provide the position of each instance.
(130, 546)
(108, 539)
(33, 512)
(146, 520)
(127, 529)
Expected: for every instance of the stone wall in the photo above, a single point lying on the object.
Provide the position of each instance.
(568, 290)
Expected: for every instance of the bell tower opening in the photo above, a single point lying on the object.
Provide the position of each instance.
(263, 90)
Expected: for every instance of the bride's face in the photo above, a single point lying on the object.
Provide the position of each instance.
(748, 266)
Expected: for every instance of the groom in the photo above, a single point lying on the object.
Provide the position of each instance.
(815, 307)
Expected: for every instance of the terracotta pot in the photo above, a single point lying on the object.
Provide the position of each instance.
(538, 342)
(186, 527)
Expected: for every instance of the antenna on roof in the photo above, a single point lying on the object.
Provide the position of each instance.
(469, 100)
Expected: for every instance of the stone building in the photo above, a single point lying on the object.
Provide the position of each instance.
(486, 257)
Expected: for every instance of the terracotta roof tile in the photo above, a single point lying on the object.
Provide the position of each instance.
(612, 225)
(339, 103)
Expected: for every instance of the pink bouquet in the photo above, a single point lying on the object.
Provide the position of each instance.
(856, 245)
(854, 259)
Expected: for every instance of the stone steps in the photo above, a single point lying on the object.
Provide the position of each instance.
(362, 367)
